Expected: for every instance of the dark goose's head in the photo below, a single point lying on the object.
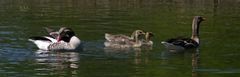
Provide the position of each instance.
(198, 19)
(195, 27)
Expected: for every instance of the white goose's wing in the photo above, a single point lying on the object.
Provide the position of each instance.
(42, 42)
(50, 38)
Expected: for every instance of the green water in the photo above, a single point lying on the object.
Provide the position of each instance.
(217, 56)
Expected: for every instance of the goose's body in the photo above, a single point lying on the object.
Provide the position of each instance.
(43, 42)
(117, 38)
(123, 41)
(180, 43)
(121, 37)
(62, 45)
(123, 44)
(66, 40)
(186, 43)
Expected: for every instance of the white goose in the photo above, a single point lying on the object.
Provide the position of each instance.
(186, 43)
(66, 40)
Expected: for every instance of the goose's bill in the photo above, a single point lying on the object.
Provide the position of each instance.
(203, 19)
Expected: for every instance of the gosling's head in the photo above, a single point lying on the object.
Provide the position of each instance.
(148, 35)
(138, 33)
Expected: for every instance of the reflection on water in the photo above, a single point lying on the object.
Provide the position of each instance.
(133, 58)
(121, 52)
(195, 62)
(189, 56)
(57, 62)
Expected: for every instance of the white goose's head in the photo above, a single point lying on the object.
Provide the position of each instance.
(65, 34)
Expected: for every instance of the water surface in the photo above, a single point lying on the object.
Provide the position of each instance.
(217, 55)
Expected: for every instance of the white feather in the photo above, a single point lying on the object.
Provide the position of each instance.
(41, 44)
(52, 39)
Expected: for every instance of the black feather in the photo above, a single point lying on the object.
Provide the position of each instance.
(39, 38)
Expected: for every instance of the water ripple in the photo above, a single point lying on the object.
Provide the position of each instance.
(6, 32)
(221, 71)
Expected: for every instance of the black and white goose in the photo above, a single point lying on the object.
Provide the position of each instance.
(66, 40)
(186, 43)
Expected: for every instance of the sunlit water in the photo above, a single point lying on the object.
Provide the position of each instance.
(217, 56)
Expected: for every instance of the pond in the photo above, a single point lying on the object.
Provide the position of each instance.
(217, 56)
